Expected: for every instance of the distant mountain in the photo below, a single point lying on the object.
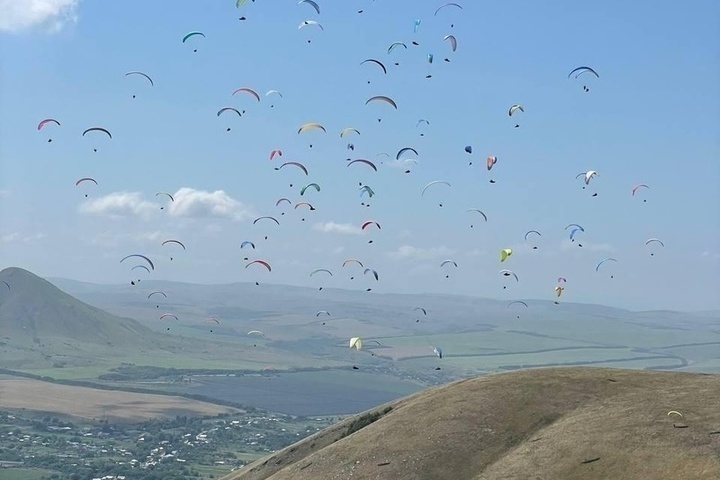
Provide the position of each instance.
(559, 423)
(34, 308)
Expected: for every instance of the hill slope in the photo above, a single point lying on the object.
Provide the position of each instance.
(41, 326)
(559, 423)
(34, 308)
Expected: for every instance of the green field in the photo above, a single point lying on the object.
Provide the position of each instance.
(24, 473)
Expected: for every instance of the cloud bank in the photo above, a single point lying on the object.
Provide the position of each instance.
(51, 15)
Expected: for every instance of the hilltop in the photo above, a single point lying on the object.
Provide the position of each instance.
(33, 308)
(557, 423)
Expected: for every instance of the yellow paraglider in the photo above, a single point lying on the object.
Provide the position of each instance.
(505, 253)
(356, 342)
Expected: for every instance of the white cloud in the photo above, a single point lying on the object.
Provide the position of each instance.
(191, 203)
(475, 252)
(586, 246)
(409, 252)
(53, 15)
(17, 237)
(711, 255)
(404, 164)
(120, 204)
(344, 228)
(9, 237)
(116, 239)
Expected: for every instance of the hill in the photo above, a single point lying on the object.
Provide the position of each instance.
(50, 333)
(33, 308)
(42, 327)
(556, 423)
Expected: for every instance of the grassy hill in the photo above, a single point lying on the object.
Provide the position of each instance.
(556, 423)
(33, 308)
(49, 332)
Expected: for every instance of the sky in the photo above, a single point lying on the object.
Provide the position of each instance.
(650, 118)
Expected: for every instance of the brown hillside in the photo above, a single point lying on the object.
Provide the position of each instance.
(541, 424)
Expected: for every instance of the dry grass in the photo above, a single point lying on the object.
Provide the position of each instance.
(542, 424)
(91, 403)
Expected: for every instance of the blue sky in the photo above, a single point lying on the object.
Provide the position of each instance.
(651, 117)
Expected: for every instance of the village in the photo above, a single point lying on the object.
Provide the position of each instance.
(182, 447)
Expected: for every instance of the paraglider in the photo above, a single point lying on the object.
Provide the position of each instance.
(513, 109)
(366, 162)
(438, 351)
(535, 232)
(229, 109)
(368, 223)
(348, 130)
(507, 273)
(587, 176)
(45, 122)
(190, 35)
(447, 5)
(452, 40)
(312, 4)
(517, 302)
(597, 267)
(273, 92)
(311, 126)
(505, 253)
(636, 187)
(172, 199)
(395, 45)
(306, 23)
(137, 255)
(489, 163)
(294, 164)
(581, 70)
(356, 342)
(275, 152)
(324, 270)
(266, 217)
(373, 272)
(247, 243)
(654, 240)
(249, 91)
(175, 242)
(448, 262)
(478, 211)
(313, 185)
(260, 262)
(97, 129)
(435, 182)
(152, 84)
(86, 179)
(366, 189)
(574, 228)
(376, 62)
(382, 98)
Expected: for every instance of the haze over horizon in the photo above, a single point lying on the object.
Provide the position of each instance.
(650, 118)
